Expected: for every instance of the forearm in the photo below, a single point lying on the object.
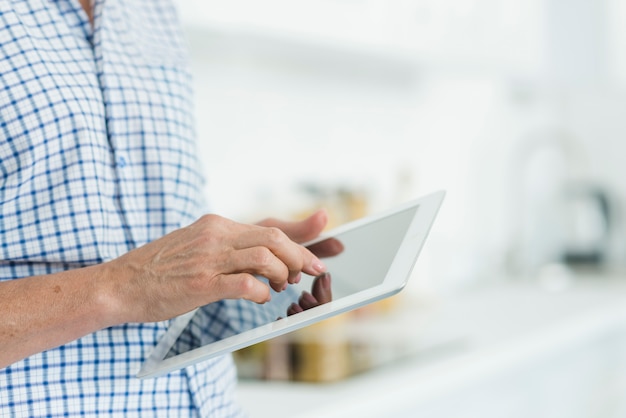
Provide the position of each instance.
(210, 260)
(42, 312)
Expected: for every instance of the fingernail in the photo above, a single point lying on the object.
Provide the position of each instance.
(319, 267)
(285, 286)
(297, 278)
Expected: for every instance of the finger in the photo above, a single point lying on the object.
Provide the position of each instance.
(321, 289)
(300, 231)
(293, 309)
(294, 256)
(328, 248)
(307, 301)
(261, 261)
(241, 286)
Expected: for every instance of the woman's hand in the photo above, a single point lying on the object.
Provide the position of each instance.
(211, 259)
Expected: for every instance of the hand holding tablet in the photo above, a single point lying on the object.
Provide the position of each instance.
(376, 257)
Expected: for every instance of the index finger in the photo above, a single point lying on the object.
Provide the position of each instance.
(296, 257)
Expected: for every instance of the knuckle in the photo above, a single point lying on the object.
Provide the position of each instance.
(246, 286)
(211, 221)
(208, 218)
(211, 229)
(263, 257)
(275, 235)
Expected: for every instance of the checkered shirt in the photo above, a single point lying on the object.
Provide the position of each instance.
(97, 157)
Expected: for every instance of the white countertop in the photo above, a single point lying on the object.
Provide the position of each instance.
(470, 337)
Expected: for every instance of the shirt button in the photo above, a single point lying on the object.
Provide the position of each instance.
(121, 162)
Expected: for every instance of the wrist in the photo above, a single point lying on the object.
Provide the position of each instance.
(108, 297)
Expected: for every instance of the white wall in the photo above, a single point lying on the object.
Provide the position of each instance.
(282, 104)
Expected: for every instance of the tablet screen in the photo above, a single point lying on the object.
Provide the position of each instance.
(367, 254)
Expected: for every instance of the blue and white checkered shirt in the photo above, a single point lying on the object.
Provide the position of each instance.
(97, 157)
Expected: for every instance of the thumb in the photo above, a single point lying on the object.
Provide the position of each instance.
(300, 231)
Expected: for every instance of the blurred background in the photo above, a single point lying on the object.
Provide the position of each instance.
(517, 306)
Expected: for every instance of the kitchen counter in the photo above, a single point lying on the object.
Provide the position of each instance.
(510, 349)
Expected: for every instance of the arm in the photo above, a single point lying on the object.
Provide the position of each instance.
(43, 312)
(210, 260)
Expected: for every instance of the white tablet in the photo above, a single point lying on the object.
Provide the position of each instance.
(378, 255)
